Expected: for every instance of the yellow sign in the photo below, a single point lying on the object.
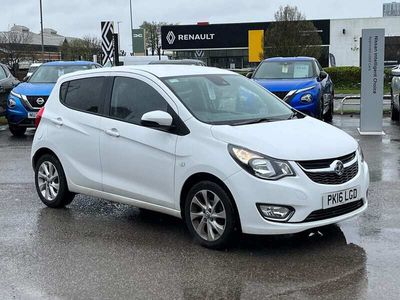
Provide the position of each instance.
(256, 45)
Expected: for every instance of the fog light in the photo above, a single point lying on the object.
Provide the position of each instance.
(306, 98)
(276, 212)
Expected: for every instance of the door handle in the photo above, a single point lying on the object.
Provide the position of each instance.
(58, 121)
(113, 132)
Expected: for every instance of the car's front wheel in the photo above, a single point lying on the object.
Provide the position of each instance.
(51, 183)
(210, 215)
(17, 130)
(328, 117)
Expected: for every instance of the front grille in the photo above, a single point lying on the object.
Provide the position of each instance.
(280, 95)
(325, 163)
(33, 101)
(333, 178)
(328, 213)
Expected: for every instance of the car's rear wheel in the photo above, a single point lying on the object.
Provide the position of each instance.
(51, 183)
(210, 215)
(395, 114)
(17, 130)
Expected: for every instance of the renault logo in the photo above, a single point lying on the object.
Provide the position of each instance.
(40, 101)
(339, 168)
(170, 37)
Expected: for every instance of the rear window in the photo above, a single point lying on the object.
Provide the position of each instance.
(83, 94)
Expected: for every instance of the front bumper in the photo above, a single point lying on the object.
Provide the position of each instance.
(299, 192)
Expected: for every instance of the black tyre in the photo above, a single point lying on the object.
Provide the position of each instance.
(17, 130)
(51, 184)
(328, 117)
(395, 114)
(320, 111)
(210, 215)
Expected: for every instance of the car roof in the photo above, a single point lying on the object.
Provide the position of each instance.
(293, 58)
(160, 71)
(69, 63)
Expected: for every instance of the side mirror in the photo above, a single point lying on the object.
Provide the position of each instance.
(249, 75)
(322, 75)
(157, 118)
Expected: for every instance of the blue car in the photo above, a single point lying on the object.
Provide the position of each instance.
(299, 81)
(27, 98)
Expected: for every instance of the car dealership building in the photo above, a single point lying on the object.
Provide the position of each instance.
(238, 45)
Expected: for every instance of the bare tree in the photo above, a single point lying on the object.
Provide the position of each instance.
(15, 46)
(81, 49)
(153, 35)
(292, 35)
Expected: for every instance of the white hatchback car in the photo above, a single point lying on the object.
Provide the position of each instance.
(203, 144)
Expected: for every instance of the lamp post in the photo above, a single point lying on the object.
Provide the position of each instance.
(41, 27)
(119, 40)
(130, 9)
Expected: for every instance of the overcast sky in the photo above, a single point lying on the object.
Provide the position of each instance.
(82, 17)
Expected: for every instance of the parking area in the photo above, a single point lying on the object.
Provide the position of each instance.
(98, 249)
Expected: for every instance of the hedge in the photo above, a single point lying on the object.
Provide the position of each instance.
(350, 77)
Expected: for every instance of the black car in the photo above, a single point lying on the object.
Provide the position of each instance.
(7, 82)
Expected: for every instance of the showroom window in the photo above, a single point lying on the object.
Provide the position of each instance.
(83, 94)
(131, 98)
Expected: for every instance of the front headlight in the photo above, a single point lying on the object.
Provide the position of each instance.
(306, 98)
(361, 153)
(11, 103)
(260, 165)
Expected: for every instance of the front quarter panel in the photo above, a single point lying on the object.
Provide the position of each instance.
(200, 152)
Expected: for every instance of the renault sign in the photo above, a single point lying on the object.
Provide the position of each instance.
(223, 36)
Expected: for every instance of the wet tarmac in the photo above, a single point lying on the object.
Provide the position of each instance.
(95, 249)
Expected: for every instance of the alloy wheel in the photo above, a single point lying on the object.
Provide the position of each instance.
(208, 215)
(48, 181)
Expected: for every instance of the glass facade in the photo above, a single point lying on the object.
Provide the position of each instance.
(233, 58)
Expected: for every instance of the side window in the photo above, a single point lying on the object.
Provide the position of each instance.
(63, 91)
(3, 74)
(83, 94)
(131, 98)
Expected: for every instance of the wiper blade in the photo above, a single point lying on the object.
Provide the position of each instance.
(254, 121)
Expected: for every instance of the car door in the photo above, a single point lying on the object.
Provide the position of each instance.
(74, 127)
(138, 162)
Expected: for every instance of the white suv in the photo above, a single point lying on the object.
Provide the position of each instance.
(202, 144)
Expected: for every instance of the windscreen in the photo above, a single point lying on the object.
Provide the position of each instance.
(50, 74)
(227, 99)
(285, 70)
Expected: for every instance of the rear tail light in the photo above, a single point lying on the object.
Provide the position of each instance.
(39, 117)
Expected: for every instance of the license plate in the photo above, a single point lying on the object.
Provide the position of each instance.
(32, 115)
(340, 197)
